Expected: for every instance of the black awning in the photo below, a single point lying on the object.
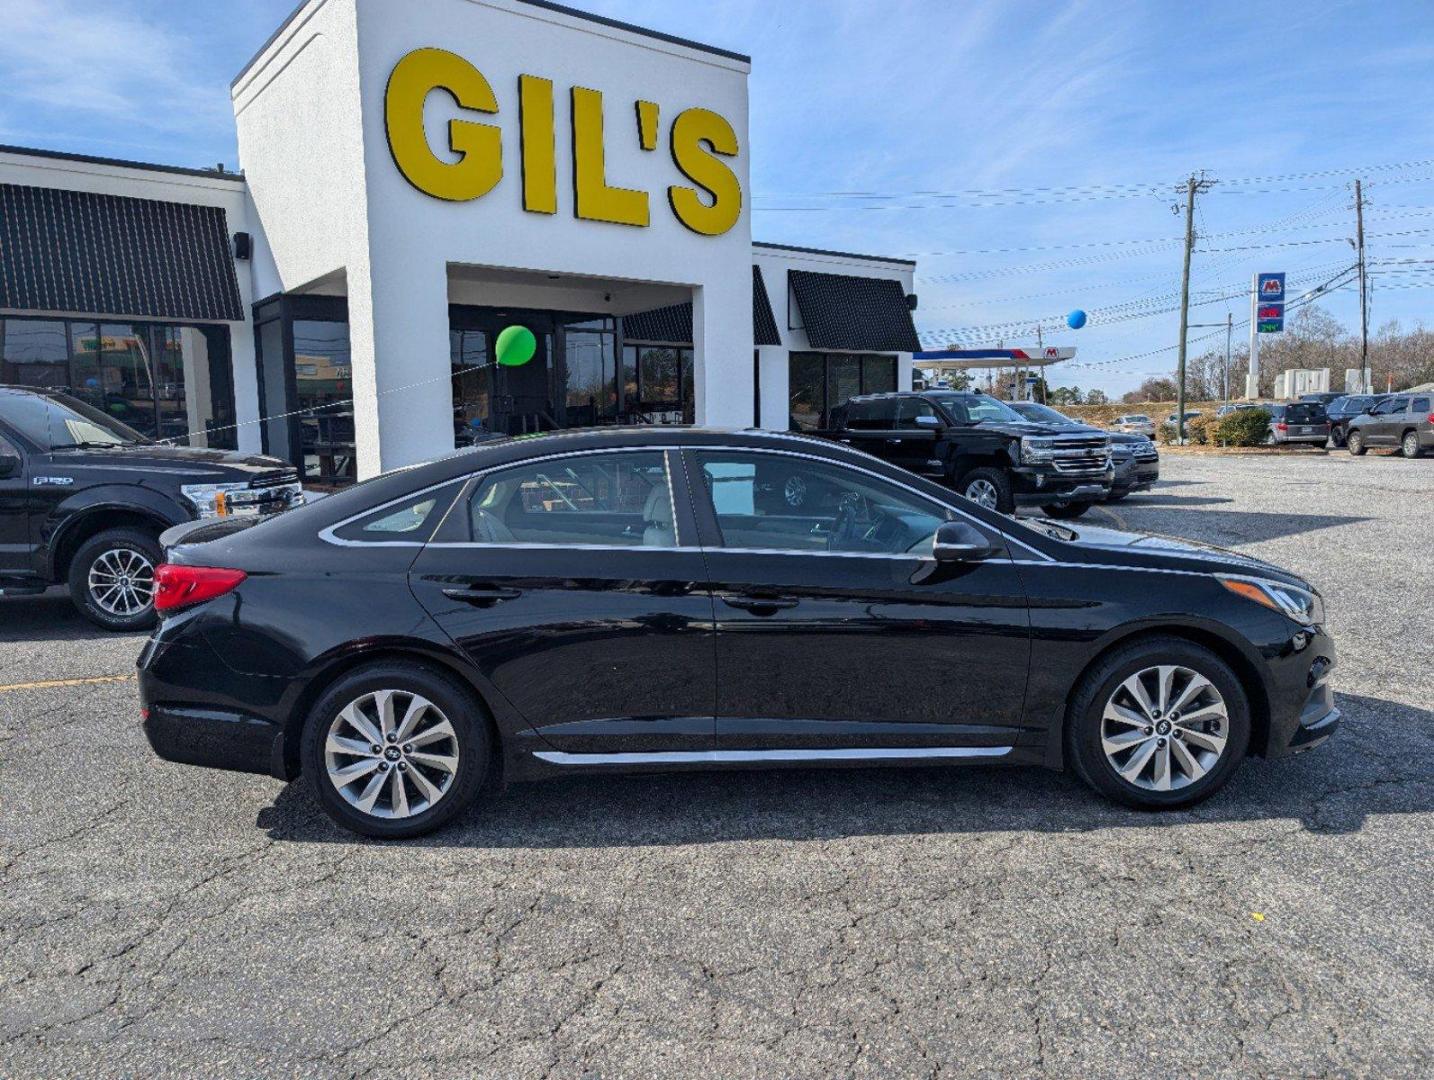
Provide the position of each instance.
(78, 251)
(668, 325)
(854, 314)
(764, 324)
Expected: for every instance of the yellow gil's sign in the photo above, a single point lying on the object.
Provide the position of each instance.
(699, 140)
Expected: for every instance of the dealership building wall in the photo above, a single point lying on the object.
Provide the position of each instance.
(417, 179)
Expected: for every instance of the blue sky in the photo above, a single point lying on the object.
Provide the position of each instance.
(1055, 135)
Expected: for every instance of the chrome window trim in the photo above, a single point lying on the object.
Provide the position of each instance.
(327, 534)
(1118, 566)
(742, 757)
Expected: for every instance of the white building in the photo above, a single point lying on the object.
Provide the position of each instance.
(416, 179)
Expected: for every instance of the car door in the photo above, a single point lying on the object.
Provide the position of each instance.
(1384, 431)
(835, 629)
(15, 545)
(576, 586)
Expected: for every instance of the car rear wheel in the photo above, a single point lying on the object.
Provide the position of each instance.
(1158, 725)
(988, 487)
(1355, 444)
(395, 750)
(112, 579)
(1409, 445)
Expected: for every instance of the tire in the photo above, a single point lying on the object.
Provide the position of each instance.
(1214, 745)
(988, 487)
(111, 579)
(1409, 445)
(1066, 511)
(446, 701)
(1355, 444)
(1337, 437)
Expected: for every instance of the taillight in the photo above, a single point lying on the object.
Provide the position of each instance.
(180, 586)
(1429, 419)
(1282, 426)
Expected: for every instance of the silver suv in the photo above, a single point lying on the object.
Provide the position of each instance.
(1403, 420)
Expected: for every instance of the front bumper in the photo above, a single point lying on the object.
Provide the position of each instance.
(1033, 486)
(1302, 709)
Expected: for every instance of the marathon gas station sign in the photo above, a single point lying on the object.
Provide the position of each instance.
(1270, 303)
(697, 141)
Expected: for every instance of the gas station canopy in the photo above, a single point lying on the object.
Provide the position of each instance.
(958, 359)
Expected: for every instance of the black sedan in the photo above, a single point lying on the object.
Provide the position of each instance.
(646, 599)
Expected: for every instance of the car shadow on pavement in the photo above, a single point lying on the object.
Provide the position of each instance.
(1378, 764)
(1231, 527)
(50, 617)
(1158, 499)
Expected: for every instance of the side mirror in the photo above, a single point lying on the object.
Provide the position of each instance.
(958, 542)
(932, 423)
(9, 464)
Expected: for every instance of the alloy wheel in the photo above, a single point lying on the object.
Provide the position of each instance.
(391, 754)
(1411, 445)
(983, 493)
(121, 582)
(1164, 728)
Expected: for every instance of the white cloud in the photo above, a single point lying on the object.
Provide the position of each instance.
(99, 59)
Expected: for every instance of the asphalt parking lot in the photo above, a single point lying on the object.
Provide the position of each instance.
(160, 920)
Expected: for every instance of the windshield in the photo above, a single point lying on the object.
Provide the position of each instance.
(976, 408)
(54, 422)
(1042, 414)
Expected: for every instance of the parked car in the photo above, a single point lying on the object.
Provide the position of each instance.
(980, 447)
(1189, 415)
(1323, 397)
(1297, 422)
(1135, 424)
(406, 642)
(1343, 409)
(83, 499)
(1402, 420)
(1136, 460)
(1234, 407)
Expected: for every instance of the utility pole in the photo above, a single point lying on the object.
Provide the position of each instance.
(1192, 186)
(1229, 330)
(1363, 287)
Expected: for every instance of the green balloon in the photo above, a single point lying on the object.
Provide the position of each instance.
(516, 346)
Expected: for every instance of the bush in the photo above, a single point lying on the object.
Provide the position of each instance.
(1165, 433)
(1244, 427)
(1197, 430)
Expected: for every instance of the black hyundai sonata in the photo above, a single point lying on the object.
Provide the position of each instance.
(647, 599)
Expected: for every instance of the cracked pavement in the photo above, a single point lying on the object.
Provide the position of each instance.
(167, 921)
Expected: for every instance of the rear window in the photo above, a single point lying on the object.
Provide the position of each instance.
(1305, 412)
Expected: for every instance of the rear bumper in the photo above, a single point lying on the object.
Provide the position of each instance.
(215, 739)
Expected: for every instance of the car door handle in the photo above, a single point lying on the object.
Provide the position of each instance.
(759, 605)
(483, 597)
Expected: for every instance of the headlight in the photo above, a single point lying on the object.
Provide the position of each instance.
(1302, 605)
(1036, 450)
(210, 500)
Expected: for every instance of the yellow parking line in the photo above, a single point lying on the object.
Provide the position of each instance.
(49, 684)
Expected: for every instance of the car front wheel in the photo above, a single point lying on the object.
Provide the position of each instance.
(1158, 725)
(988, 487)
(395, 750)
(112, 579)
(1355, 444)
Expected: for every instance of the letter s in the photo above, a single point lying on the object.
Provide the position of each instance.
(690, 130)
(481, 146)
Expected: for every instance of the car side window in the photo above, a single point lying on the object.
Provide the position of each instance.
(784, 503)
(1393, 405)
(1420, 405)
(910, 409)
(409, 521)
(612, 499)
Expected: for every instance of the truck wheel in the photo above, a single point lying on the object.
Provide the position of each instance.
(1066, 510)
(112, 579)
(1355, 442)
(988, 487)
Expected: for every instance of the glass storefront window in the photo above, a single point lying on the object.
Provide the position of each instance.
(323, 382)
(658, 383)
(807, 385)
(822, 382)
(166, 381)
(472, 386)
(592, 376)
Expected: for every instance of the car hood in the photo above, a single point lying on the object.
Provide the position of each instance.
(1030, 427)
(1116, 547)
(201, 464)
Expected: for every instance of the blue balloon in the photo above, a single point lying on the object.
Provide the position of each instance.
(1076, 319)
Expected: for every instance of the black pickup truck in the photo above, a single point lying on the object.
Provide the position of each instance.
(980, 447)
(83, 499)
